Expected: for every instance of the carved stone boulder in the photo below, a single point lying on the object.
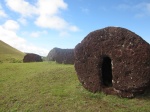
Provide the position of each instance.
(30, 57)
(59, 55)
(113, 60)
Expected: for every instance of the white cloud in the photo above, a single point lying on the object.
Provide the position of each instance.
(2, 12)
(9, 35)
(49, 18)
(38, 33)
(148, 7)
(23, 21)
(35, 34)
(142, 9)
(50, 7)
(56, 23)
(73, 28)
(52, 22)
(29, 48)
(11, 25)
(22, 7)
(47, 13)
(64, 34)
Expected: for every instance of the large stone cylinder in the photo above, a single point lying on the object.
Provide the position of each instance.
(59, 55)
(113, 60)
(31, 57)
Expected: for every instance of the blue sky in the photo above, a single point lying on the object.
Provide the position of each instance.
(37, 26)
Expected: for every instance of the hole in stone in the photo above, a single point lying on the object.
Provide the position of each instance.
(106, 72)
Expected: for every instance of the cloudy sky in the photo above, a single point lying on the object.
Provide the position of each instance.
(37, 26)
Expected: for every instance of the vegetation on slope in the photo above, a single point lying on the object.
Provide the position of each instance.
(51, 87)
(9, 54)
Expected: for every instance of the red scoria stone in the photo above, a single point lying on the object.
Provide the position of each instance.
(113, 60)
(30, 57)
(59, 55)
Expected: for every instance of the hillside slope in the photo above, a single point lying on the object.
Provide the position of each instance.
(10, 54)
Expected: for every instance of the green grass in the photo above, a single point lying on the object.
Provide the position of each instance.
(10, 54)
(51, 87)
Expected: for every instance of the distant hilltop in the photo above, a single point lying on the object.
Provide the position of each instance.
(10, 54)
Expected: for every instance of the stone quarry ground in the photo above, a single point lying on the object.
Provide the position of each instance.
(51, 87)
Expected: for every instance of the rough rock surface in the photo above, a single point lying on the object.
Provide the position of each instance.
(30, 57)
(65, 56)
(113, 60)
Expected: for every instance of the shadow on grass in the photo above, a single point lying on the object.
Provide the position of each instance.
(145, 96)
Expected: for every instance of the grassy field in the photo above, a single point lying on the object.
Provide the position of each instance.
(51, 87)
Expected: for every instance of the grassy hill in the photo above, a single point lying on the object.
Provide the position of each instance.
(9, 54)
